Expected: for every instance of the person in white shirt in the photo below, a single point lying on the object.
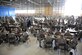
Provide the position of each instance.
(72, 51)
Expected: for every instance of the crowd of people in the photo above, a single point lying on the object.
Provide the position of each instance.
(57, 33)
(12, 32)
(50, 33)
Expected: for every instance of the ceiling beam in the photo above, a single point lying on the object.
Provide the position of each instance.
(33, 2)
(51, 2)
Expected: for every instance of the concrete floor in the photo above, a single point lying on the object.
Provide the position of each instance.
(32, 48)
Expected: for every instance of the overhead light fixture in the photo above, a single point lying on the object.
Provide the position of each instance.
(24, 11)
(20, 11)
(30, 11)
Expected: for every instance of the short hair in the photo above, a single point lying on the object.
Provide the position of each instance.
(71, 53)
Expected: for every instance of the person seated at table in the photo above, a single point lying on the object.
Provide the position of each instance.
(4, 31)
(67, 34)
(61, 42)
(48, 40)
(40, 37)
(25, 35)
(80, 35)
(58, 33)
(74, 43)
(48, 37)
(50, 31)
(11, 37)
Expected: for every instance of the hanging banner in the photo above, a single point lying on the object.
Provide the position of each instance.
(7, 11)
